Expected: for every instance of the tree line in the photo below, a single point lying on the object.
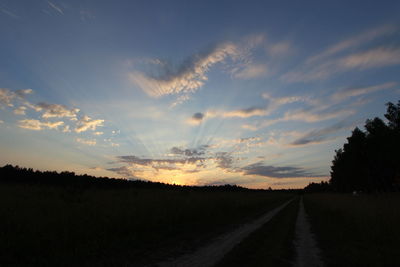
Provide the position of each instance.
(369, 161)
(10, 174)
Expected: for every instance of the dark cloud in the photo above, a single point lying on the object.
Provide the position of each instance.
(251, 110)
(275, 172)
(321, 135)
(155, 162)
(198, 116)
(231, 181)
(124, 171)
(224, 160)
(187, 152)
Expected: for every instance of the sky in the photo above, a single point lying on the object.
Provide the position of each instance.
(254, 93)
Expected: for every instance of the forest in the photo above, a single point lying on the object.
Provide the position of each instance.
(369, 161)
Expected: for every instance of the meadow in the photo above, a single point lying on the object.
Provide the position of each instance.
(360, 230)
(47, 225)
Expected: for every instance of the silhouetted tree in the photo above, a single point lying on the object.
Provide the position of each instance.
(11, 174)
(369, 161)
(318, 187)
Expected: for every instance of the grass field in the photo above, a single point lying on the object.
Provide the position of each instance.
(58, 226)
(361, 230)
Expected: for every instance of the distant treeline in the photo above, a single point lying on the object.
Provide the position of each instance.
(16, 174)
(370, 160)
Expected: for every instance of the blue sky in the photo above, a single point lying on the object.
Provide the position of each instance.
(254, 93)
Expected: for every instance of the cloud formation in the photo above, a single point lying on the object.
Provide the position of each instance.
(315, 115)
(123, 171)
(372, 58)
(354, 41)
(245, 113)
(357, 91)
(251, 71)
(55, 7)
(9, 13)
(333, 60)
(7, 97)
(278, 49)
(20, 110)
(37, 125)
(322, 135)
(188, 152)
(189, 77)
(224, 160)
(275, 172)
(196, 119)
(86, 123)
(158, 163)
(56, 111)
(89, 142)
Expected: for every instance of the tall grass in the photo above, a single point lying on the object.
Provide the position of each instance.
(361, 230)
(45, 225)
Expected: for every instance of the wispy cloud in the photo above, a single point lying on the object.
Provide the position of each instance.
(89, 142)
(187, 78)
(309, 115)
(251, 71)
(86, 14)
(249, 127)
(313, 116)
(273, 104)
(279, 49)
(180, 100)
(9, 13)
(144, 166)
(322, 135)
(158, 163)
(354, 41)
(358, 91)
(37, 125)
(334, 60)
(55, 7)
(372, 58)
(275, 172)
(245, 113)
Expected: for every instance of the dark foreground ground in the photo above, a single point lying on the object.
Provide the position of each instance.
(361, 230)
(44, 225)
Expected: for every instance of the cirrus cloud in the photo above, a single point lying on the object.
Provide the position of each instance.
(189, 77)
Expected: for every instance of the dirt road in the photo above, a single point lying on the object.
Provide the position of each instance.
(212, 253)
(307, 251)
